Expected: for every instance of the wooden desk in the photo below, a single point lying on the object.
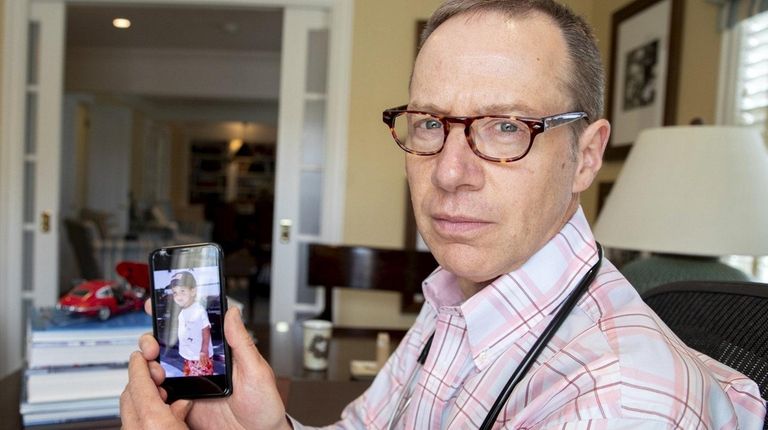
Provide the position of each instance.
(284, 351)
(305, 392)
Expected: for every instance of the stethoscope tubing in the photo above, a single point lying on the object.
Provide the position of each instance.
(530, 356)
(541, 342)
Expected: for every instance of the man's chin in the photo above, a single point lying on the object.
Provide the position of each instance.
(467, 263)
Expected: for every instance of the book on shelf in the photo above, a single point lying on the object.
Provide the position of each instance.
(58, 384)
(70, 415)
(27, 408)
(53, 325)
(56, 339)
(84, 354)
(77, 366)
(59, 412)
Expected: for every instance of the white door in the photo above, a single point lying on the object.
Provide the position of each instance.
(35, 280)
(42, 154)
(301, 153)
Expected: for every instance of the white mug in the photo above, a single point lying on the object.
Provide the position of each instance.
(317, 342)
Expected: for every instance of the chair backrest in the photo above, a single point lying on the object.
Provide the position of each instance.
(81, 238)
(727, 321)
(368, 268)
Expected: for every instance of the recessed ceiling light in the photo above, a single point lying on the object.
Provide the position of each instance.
(121, 22)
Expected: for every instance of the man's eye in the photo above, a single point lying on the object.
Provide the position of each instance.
(507, 127)
(431, 124)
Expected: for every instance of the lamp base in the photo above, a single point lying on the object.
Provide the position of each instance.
(659, 269)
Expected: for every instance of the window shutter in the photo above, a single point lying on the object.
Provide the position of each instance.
(749, 103)
(752, 86)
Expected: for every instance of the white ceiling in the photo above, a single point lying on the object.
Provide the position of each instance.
(182, 28)
(171, 27)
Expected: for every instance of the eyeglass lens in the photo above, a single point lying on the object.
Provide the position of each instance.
(493, 137)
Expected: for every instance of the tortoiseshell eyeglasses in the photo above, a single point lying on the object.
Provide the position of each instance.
(499, 138)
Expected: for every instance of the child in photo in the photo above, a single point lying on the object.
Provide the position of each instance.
(195, 345)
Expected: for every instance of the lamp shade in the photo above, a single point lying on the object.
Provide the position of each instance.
(695, 190)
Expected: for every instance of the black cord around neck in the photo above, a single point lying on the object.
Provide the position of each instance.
(537, 347)
(542, 341)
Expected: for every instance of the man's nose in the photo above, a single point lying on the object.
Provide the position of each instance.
(457, 167)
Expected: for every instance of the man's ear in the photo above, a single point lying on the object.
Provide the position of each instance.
(592, 143)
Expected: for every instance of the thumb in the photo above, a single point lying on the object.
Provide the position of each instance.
(252, 379)
(180, 409)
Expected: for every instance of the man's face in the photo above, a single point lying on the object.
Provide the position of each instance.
(482, 219)
(183, 295)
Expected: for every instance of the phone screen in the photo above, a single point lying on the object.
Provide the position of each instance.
(188, 305)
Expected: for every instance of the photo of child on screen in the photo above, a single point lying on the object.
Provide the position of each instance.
(194, 328)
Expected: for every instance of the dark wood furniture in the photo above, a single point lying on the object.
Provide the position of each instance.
(362, 267)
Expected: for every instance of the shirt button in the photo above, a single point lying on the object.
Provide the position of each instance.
(481, 358)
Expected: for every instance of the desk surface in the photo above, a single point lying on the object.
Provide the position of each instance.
(305, 392)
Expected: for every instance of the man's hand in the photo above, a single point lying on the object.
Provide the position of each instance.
(142, 404)
(254, 404)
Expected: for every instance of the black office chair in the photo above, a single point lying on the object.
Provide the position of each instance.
(727, 321)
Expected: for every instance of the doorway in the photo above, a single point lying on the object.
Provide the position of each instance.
(164, 160)
(25, 245)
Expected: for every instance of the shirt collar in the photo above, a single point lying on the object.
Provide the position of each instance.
(502, 312)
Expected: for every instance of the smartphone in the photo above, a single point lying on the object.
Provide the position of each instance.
(188, 306)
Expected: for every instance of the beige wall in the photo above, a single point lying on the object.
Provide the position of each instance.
(581, 7)
(383, 49)
(700, 59)
(381, 62)
(2, 31)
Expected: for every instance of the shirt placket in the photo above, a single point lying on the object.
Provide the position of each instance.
(441, 375)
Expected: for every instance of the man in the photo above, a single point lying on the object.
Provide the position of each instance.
(503, 132)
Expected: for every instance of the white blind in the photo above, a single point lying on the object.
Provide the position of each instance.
(752, 85)
(749, 101)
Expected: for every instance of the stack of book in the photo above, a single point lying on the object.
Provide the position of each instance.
(77, 366)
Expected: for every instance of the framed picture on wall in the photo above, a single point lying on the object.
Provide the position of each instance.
(644, 66)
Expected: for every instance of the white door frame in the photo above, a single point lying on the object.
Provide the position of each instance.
(12, 108)
(12, 115)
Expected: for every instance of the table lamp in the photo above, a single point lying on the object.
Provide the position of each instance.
(689, 195)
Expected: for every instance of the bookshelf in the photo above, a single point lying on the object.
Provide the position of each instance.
(242, 178)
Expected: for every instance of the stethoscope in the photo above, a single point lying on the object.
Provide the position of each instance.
(525, 364)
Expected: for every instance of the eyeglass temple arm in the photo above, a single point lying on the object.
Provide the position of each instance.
(562, 119)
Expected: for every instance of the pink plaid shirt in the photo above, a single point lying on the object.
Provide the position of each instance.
(612, 365)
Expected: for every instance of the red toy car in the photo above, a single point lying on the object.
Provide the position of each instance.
(105, 298)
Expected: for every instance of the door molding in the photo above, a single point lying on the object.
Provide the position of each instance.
(12, 115)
